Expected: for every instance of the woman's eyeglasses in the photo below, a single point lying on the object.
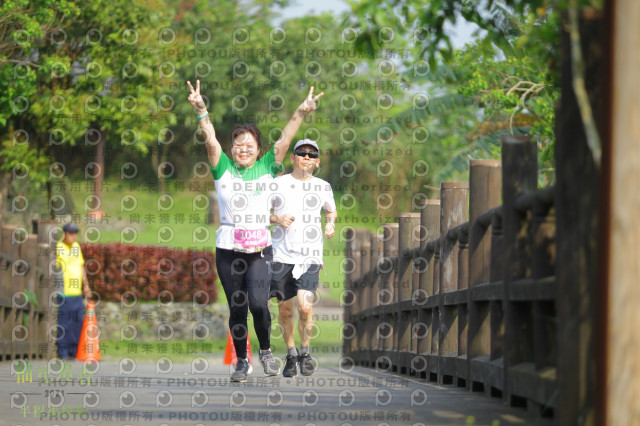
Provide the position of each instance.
(244, 148)
(305, 153)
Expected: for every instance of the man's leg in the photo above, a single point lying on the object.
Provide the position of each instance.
(285, 319)
(74, 325)
(305, 328)
(64, 341)
(305, 317)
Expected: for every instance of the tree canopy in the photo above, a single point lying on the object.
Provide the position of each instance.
(403, 109)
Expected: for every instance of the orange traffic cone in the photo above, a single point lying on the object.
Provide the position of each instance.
(89, 344)
(230, 352)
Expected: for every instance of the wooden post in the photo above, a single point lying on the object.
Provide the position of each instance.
(578, 198)
(496, 273)
(543, 266)
(5, 302)
(5, 247)
(45, 287)
(30, 255)
(377, 247)
(520, 165)
(436, 292)
(485, 181)
(349, 278)
(365, 260)
(407, 238)
(463, 283)
(13, 284)
(356, 254)
(377, 255)
(429, 230)
(385, 296)
(622, 166)
(362, 298)
(47, 240)
(544, 240)
(453, 212)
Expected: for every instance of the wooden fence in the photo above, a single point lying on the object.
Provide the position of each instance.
(463, 292)
(26, 330)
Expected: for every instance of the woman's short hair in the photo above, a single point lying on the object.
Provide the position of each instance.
(246, 128)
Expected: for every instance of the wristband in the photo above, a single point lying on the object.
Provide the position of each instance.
(202, 116)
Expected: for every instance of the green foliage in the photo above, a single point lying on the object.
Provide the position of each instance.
(25, 162)
(24, 26)
(71, 78)
(533, 25)
(508, 72)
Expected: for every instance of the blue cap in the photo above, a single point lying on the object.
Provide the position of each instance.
(70, 227)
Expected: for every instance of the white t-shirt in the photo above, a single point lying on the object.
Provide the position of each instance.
(302, 241)
(243, 199)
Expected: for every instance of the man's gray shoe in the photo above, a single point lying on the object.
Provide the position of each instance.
(243, 369)
(269, 363)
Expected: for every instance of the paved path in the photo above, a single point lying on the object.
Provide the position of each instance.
(200, 394)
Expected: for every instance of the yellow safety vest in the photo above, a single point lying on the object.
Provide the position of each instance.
(70, 260)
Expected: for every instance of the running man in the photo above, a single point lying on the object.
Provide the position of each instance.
(297, 249)
(243, 241)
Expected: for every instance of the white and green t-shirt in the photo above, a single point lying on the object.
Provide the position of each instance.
(243, 202)
(302, 242)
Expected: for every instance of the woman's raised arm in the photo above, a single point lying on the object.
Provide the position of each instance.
(214, 149)
(282, 144)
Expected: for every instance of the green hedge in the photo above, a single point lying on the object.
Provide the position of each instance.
(150, 273)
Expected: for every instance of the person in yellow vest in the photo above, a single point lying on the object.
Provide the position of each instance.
(70, 262)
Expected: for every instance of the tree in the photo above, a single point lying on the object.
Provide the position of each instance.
(92, 79)
(23, 27)
(507, 72)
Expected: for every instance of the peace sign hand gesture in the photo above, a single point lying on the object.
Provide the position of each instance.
(311, 103)
(195, 97)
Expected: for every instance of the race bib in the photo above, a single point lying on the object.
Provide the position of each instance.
(249, 240)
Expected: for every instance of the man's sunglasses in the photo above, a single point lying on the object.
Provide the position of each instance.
(305, 153)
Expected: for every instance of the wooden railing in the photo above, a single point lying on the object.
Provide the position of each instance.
(463, 292)
(26, 330)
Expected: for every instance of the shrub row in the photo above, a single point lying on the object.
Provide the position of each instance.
(124, 272)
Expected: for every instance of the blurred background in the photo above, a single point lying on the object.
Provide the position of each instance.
(95, 126)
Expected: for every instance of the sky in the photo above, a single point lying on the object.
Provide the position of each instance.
(460, 33)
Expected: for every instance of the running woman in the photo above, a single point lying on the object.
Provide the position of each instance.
(243, 241)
